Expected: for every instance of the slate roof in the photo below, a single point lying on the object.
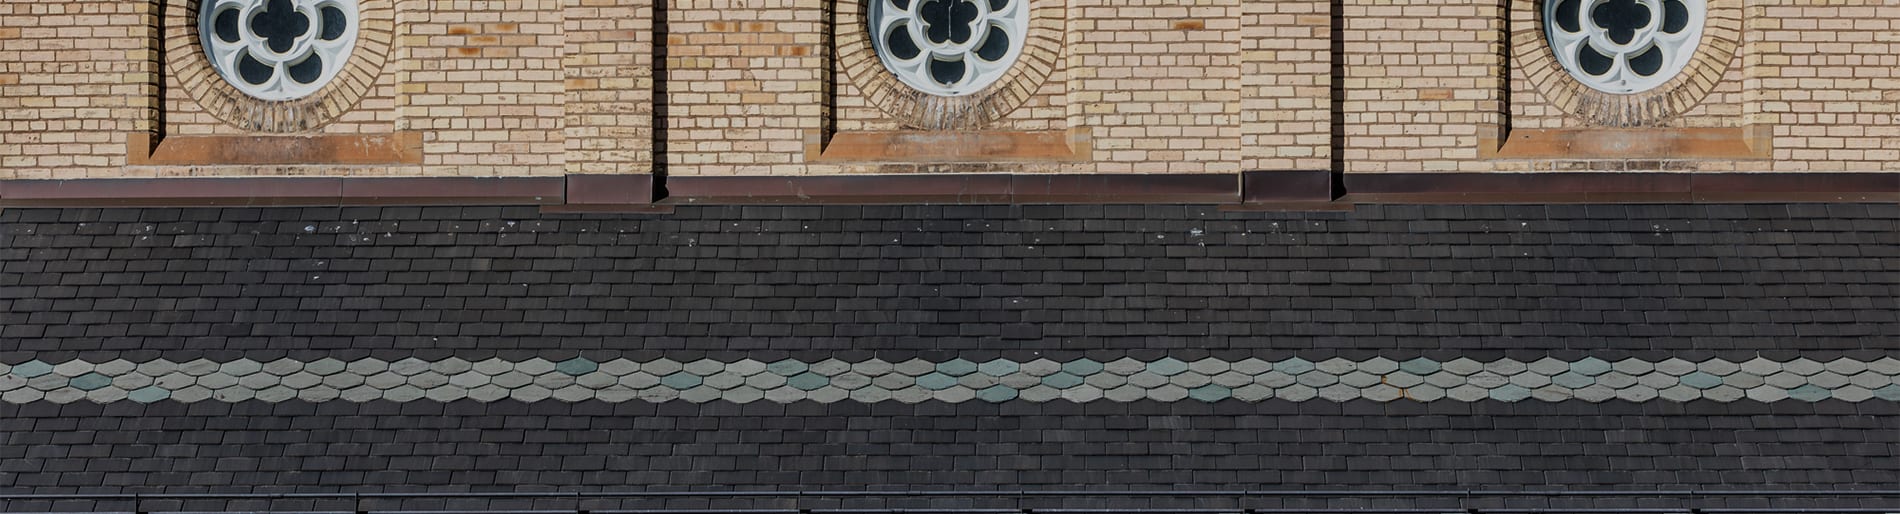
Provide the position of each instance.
(922, 278)
(1507, 286)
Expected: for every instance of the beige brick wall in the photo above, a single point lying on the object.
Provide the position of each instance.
(608, 72)
(1285, 85)
(1823, 75)
(1158, 83)
(483, 81)
(744, 80)
(1420, 78)
(75, 77)
(546, 87)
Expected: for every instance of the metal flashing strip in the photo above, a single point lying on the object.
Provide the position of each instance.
(955, 381)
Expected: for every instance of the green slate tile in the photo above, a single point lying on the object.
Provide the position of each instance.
(787, 367)
(1167, 367)
(1701, 380)
(808, 381)
(998, 367)
(1062, 380)
(90, 381)
(956, 367)
(1591, 366)
(1210, 393)
(681, 380)
(148, 394)
(1293, 366)
(997, 393)
(1809, 393)
(576, 366)
(32, 368)
(1573, 380)
(1082, 367)
(1420, 366)
(1510, 393)
(1889, 393)
(936, 381)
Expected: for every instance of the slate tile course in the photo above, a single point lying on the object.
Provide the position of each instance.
(1675, 277)
(919, 347)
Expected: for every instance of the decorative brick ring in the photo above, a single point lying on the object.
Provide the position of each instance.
(278, 65)
(942, 78)
(1625, 63)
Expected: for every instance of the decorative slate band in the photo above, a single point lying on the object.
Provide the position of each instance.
(957, 380)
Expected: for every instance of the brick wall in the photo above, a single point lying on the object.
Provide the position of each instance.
(75, 77)
(483, 80)
(1822, 74)
(546, 87)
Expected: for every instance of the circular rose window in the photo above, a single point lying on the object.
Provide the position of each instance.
(278, 49)
(948, 47)
(1624, 46)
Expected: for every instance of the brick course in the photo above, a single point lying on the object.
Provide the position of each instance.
(546, 87)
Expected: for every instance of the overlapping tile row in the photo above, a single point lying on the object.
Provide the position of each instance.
(1125, 278)
(1126, 379)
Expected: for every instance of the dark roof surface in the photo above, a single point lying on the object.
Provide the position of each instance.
(924, 278)
(1694, 283)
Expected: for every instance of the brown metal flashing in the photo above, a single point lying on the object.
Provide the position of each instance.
(1593, 187)
(396, 148)
(1290, 190)
(1264, 190)
(839, 189)
(1287, 186)
(198, 191)
(974, 188)
(1720, 143)
(949, 147)
(609, 193)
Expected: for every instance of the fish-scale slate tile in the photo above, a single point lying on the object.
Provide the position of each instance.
(991, 380)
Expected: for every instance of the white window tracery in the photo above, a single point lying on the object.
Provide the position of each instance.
(1624, 46)
(278, 49)
(948, 47)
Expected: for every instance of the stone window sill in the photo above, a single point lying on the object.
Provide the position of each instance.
(1754, 142)
(396, 148)
(949, 147)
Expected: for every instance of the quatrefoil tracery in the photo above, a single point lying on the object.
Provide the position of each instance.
(1624, 46)
(278, 49)
(948, 47)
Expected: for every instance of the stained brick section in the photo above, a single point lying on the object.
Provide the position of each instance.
(608, 67)
(743, 83)
(483, 80)
(921, 278)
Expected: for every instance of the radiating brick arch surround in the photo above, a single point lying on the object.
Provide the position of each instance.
(185, 59)
(1536, 60)
(1042, 53)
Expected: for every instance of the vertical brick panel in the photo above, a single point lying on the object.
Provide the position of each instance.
(1285, 81)
(744, 80)
(75, 77)
(608, 69)
(1419, 79)
(1159, 82)
(1824, 75)
(483, 81)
